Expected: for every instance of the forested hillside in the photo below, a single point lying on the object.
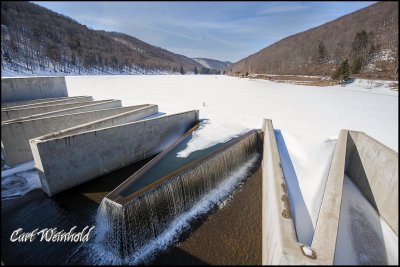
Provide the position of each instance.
(367, 39)
(36, 39)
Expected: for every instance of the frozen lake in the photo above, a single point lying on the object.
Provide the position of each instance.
(308, 117)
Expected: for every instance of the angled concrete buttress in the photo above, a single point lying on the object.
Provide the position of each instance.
(15, 134)
(15, 113)
(64, 161)
(38, 102)
(88, 106)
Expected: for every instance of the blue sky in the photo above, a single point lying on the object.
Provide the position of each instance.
(218, 30)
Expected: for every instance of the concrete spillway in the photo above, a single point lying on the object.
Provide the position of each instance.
(142, 207)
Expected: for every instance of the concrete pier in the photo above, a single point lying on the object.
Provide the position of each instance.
(66, 161)
(278, 233)
(29, 88)
(15, 134)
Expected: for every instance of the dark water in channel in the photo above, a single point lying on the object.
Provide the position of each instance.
(76, 206)
(169, 163)
(228, 235)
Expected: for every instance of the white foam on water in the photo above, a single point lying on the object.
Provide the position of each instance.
(98, 254)
(19, 184)
(26, 166)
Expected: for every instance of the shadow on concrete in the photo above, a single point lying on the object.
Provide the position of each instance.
(366, 231)
(159, 114)
(354, 168)
(301, 216)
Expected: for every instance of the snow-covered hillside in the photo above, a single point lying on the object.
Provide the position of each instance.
(212, 63)
(16, 69)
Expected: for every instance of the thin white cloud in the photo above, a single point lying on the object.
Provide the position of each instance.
(98, 20)
(192, 38)
(282, 9)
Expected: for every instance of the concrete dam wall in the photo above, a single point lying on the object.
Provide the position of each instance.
(64, 162)
(29, 88)
(142, 207)
(15, 134)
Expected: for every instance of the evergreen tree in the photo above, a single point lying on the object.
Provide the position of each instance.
(182, 71)
(196, 71)
(356, 65)
(362, 49)
(343, 72)
(321, 52)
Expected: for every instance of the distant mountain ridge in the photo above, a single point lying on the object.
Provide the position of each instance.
(368, 38)
(212, 63)
(38, 40)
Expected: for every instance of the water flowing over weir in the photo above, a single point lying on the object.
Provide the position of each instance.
(136, 212)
